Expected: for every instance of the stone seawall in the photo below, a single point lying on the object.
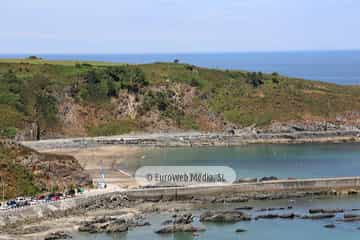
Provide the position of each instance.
(297, 185)
(199, 139)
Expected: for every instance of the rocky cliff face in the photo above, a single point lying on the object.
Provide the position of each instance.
(25, 171)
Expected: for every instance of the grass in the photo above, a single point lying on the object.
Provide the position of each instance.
(57, 62)
(17, 179)
(113, 128)
(238, 97)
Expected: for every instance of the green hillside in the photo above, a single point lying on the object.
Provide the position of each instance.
(69, 98)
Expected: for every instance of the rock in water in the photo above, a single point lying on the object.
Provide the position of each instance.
(104, 224)
(224, 216)
(240, 230)
(329, 226)
(319, 216)
(58, 236)
(179, 228)
(321, 210)
(244, 208)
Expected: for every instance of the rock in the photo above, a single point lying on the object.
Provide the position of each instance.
(288, 216)
(321, 210)
(269, 209)
(179, 228)
(184, 219)
(319, 216)
(237, 199)
(117, 227)
(267, 216)
(313, 211)
(243, 208)
(329, 226)
(105, 224)
(271, 178)
(34, 229)
(350, 219)
(167, 222)
(224, 216)
(57, 236)
(240, 230)
(352, 192)
(351, 215)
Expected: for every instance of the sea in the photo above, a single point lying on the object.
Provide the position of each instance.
(283, 161)
(341, 67)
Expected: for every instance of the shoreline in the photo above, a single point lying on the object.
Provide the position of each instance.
(197, 139)
(36, 221)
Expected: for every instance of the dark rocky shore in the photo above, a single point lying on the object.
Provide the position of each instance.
(119, 212)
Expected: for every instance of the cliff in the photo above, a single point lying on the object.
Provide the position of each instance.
(26, 172)
(45, 99)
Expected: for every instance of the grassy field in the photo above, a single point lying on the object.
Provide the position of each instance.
(165, 95)
(57, 62)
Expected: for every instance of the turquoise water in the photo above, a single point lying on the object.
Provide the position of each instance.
(305, 160)
(342, 67)
(279, 229)
(299, 161)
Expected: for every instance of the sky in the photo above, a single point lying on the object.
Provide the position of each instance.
(177, 26)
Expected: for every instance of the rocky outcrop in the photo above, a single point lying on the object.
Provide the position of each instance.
(108, 225)
(46, 170)
(224, 216)
(58, 236)
(273, 216)
(244, 208)
(179, 228)
(322, 210)
(319, 216)
(112, 224)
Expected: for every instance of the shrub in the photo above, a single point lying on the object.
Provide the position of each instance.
(113, 128)
(255, 79)
(237, 117)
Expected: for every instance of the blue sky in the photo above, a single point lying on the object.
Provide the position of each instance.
(161, 26)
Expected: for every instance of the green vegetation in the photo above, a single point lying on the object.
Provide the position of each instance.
(101, 84)
(17, 180)
(113, 128)
(33, 90)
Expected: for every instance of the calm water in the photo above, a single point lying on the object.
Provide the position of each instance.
(342, 67)
(280, 229)
(306, 160)
(300, 161)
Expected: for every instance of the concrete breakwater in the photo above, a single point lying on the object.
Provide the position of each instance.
(199, 139)
(270, 188)
(207, 194)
